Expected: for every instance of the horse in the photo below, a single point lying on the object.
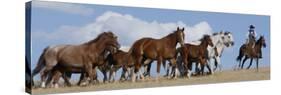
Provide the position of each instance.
(220, 41)
(120, 59)
(145, 50)
(195, 53)
(255, 52)
(111, 62)
(75, 58)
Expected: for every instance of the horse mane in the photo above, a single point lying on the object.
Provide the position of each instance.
(258, 41)
(216, 33)
(204, 37)
(96, 39)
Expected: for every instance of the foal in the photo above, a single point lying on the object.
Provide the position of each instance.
(195, 53)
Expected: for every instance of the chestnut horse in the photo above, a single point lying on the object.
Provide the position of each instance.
(75, 58)
(145, 50)
(255, 52)
(195, 53)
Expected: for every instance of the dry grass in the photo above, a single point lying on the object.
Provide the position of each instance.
(218, 77)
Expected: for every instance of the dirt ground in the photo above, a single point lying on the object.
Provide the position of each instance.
(218, 77)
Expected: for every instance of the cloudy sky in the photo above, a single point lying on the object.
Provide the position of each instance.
(56, 23)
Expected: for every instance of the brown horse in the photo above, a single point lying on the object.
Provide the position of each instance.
(111, 62)
(76, 58)
(247, 52)
(195, 53)
(119, 60)
(145, 50)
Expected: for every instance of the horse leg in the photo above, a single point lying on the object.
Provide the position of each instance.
(81, 79)
(209, 66)
(147, 66)
(44, 74)
(137, 67)
(111, 73)
(257, 62)
(218, 62)
(123, 74)
(244, 60)
(104, 76)
(175, 69)
(88, 69)
(66, 77)
(57, 75)
(50, 78)
(159, 61)
(250, 63)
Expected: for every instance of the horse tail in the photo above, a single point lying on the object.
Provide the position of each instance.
(41, 63)
(239, 57)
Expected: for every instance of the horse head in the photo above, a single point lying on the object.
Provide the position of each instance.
(106, 41)
(207, 38)
(111, 43)
(261, 41)
(180, 36)
(227, 39)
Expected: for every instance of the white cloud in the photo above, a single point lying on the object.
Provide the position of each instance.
(63, 7)
(126, 27)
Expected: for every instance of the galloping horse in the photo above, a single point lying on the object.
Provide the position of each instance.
(220, 41)
(195, 53)
(251, 52)
(145, 50)
(76, 58)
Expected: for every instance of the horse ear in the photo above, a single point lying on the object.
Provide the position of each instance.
(183, 29)
(178, 28)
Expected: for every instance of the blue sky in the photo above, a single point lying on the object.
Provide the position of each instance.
(67, 23)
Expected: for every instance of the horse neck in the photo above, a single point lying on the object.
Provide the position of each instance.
(204, 44)
(258, 46)
(170, 40)
(98, 47)
(216, 40)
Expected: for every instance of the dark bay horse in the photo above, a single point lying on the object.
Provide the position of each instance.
(145, 50)
(195, 53)
(120, 59)
(76, 58)
(248, 51)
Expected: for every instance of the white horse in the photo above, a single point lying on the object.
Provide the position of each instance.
(220, 40)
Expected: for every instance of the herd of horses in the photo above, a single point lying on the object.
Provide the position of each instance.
(103, 53)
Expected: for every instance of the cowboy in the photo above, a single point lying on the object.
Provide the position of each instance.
(251, 36)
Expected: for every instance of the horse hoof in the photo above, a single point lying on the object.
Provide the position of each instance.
(83, 84)
(56, 86)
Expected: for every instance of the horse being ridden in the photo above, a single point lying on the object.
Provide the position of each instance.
(247, 52)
